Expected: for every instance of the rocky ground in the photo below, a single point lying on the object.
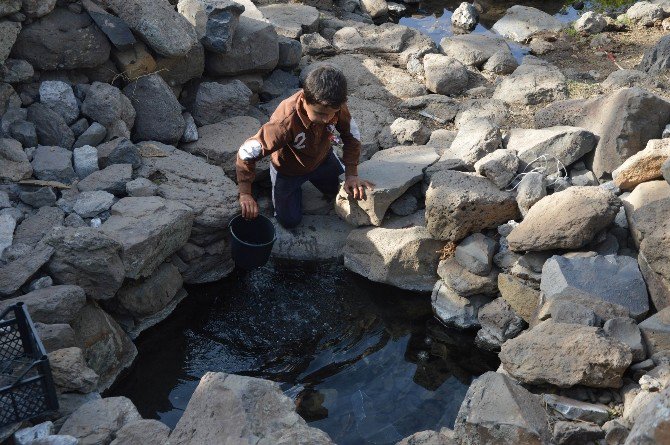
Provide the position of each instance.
(530, 197)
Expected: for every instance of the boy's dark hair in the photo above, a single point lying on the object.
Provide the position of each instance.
(326, 85)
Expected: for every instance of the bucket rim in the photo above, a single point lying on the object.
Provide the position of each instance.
(232, 233)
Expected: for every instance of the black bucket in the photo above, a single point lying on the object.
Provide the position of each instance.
(252, 241)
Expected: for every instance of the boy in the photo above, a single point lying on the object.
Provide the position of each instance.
(298, 136)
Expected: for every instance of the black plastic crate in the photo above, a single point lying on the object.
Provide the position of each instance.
(26, 386)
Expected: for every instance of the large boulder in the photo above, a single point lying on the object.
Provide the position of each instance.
(33, 228)
(392, 171)
(520, 23)
(291, 20)
(165, 30)
(473, 49)
(643, 166)
(656, 59)
(444, 74)
(51, 305)
(227, 408)
(97, 422)
(215, 22)
(158, 112)
(318, 237)
(645, 13)
(70, 372)
(14, 164)
(62, 40)
(144, 431)
(533, 82)
(565, 220)
(254, 49)
(214, 102)
(475, 139)
(405, 258)
(88, 258)
(624, 120)
(497, 410)
(566, 355)
(458, 204)
(614, 279)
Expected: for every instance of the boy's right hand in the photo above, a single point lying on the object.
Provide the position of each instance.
(249, 206)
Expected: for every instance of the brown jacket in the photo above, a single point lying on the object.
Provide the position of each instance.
(297, 145)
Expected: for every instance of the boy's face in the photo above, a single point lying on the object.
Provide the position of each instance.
(320, 114)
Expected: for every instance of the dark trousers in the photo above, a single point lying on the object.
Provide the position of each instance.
(287, 191)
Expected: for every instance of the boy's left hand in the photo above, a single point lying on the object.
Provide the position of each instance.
(356, 187)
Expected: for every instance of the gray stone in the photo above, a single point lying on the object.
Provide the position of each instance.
(530, 190)
(34, 227)
(231, 408)
(291, 20)
(115, 29)
(454, 310)
(406, 205)
(583, 178)
(57, 439)
(214, 102)
(464, 282)
(656, 59)
(215, 22)
(9, 99)
(70, 372)
(119, 151)
(571, 409)
(645, 13)
(494, 110)
(16, 71)
(626, 331)
(25, 436)
(60, 98)
(458, 204)
(474, 49)
(254, 49)
(514, 416)
(405, 132)
(88, 258)
(141, 187)
(144, 431)
(653, 423)
(91, 203)
(85, 160)
(533, 82)
(566, 355)
(499, 323)
(111, 179)
(38, 197)
(429, 437)
(106, 105)
(150, 230)
(475, 139)
(56, 304)
(99, 420)
(55, 336)
(157, 111)
(626, 79)
(290, 52)
(568, 311)
(550, 225)
(499, 166)
(374, 8)
(315, 44)
(475, 253)
(444, 74)
(615, 432)
(40, 283)
(576, 433)
(177, 71)
(465, 16)
(7, 226)
(80, 43)
(10, 7)
(93, 135)
(643, 166)
(405, 258)
(14, 164)
(38, 8)
(74, 220)
(501, 62)
(50, 127)
(317, 238)
(191, 130)
(619, 280)
(590, 23)
(144, 297)
(522, 22)
(24, 132)
(656, 332)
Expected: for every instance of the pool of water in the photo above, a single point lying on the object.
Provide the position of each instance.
(365, 362)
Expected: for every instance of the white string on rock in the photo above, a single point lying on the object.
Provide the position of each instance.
(546, 159)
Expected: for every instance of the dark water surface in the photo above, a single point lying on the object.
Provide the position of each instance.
(365, 362)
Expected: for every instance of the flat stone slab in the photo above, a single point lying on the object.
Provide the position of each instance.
(292, 20)
(522, 22)
(316, 238)
(473, 49)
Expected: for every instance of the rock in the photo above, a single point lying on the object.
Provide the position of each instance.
(107, 348)
(254, 49)
(316, 238)
(458, 204)
(531, 189)
(370, 118)
(158, 113)
(499, 166)
(144, 297)
(26, 436)
(475, 139)
(494, 110)
(590, 23)
(38, 197)
(626, 79)
(35, 226)
(566, 355)
(119, 151)
(464, 282)
(24, 132)
(88, 258)
(260, 412)
(56, 304)
(90, 204)
(191, 130)
(59, 97)
(615, 432)
(160, 26)
(645, 13)
(465, 16)
(475, 253)
(501, 62)
(653, 422)
(444, 75)
(621, 137)
(290, 52)
(144, 431)
(406, 205)
(55, 336)
(291, 20)
(656, 331)
(179, 70)
(514, 416)
(14, 164)
(9, 32)
(562, 143)
(85, 160)
(374, 8)
(575, 433)
(626, 331)
(656, 59)
(571, 409)
(454, 310)
(141, 187)
(533, 82)
(134, 62)
(9, 99)
(99, 420)
(8, 8)
(38, 8)
(393, 171)
(473, 49)
(106, 105)
(444, 437)
(115, 29)
(643, 166)
(7, 226)
(215, 22)
(50, 127)
(499, 323)
(583, 178)
(562, 311)
(619, 278)
(568, 229)
(381, 255)
(520, 23)
(70, 372)
(79, 42)
(214, 102)
(405, 131)
(111, 179)
(315, 44)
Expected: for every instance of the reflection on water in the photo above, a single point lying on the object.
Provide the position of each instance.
(365, 362)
